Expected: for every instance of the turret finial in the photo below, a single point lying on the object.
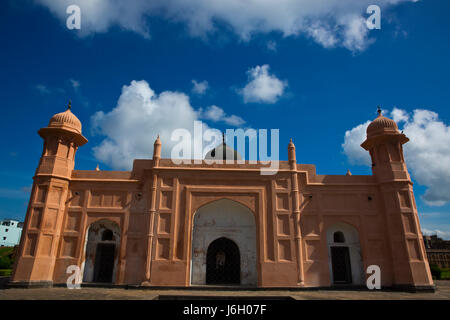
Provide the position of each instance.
(291, 143)
(379, 111)
(158, 140)
(69, 106)
(291, 153)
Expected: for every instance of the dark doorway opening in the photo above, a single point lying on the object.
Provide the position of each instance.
(340, 261)
(223, 262)
(104, 262)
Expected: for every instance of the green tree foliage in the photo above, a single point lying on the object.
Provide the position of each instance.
(435, 271)
(5, 262)
(6, 257)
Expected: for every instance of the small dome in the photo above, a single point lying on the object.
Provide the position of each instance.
(66, 119)
(223, 152)
(381, 125)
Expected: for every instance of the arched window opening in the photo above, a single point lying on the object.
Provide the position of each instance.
(338, 237)
(345, 262)
(223, 262)
(107, 235)
(101, 252)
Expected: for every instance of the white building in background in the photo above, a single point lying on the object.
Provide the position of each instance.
(10, 232)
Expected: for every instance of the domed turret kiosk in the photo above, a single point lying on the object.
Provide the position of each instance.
(381, 125)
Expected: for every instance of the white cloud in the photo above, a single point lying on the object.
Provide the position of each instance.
(341, 21)
(262, 86)
(140, 115)
(42, 89)
(234, 120)
(98, 16)
(427, 154)
(213, 113)
(271, 46)
(217, 114)
(75, 84)
(45, 90)
(352, 145)
(355, 33)
(199, 87)
(133, 125)
(444, 234)
(399, 115)
(321, 35)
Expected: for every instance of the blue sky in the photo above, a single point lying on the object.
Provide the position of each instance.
(329, 86)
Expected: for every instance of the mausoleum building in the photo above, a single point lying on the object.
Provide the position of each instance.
(181, 225)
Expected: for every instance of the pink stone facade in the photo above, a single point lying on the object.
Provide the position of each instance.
(142, 222)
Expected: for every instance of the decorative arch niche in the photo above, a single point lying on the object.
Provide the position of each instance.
(228, 219)
(102, 246)
(343, 244)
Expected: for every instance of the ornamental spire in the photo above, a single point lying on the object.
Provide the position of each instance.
(158, 140)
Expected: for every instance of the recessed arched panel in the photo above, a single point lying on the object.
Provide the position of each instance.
(344, 255)
(101, 252)
(224, 219)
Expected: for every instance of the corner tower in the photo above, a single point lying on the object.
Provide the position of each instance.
(62, 137)
(42, 229)
(409, 261)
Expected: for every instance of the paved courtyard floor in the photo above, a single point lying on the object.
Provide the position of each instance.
(442, 293)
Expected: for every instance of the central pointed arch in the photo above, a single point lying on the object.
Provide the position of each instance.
(217, 227)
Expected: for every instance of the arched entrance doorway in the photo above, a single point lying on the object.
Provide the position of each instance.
(344, 252)
(224, 231)
(102, 246)
(223, 262)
